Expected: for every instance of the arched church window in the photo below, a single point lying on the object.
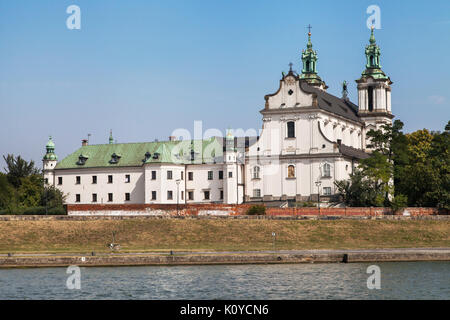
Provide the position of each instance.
(307, 66)
(256, 171)
(326, 170)
(291, 129)
(372, 61)
(291, 172)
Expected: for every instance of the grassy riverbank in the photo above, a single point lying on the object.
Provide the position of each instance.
(219, 235)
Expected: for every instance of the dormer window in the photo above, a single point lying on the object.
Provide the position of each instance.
(156, 155)
(148, 155)
(114, 158)
(82, 160)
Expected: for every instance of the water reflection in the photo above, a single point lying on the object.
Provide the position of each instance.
(411, 280)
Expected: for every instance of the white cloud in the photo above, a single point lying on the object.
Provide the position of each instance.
(436, 99)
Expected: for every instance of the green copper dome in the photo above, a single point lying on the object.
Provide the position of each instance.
(309, 60)
(50, 143)
(50, 147)
(373, 65)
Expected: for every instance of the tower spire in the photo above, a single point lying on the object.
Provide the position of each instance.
(50, 150)
(111, 139)
(309, 60)
(373, 54)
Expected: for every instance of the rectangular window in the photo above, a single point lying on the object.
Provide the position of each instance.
(169, 195)
(60, 180)
(153, 195)
(190, 195)
(127, 196)
(94, 197)
(326, 171)
(127, 178)
(257, 193)
(77, 198)
(291, 129)
(78, 180)
(110, 179)
(210, 175)
(169, 175)
(182, 175)
(182, 195)
(221, 194)
(220, 175)
(110, 197)
(327, 191)
(153, 175)
(206, 195)
(190, 176)
(230, 174)
(94, 179)
(46, 180)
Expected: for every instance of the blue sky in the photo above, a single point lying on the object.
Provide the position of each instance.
(144, 68)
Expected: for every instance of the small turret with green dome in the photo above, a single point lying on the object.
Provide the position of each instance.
(373, 66)
(309, 71)
(229, 140)
(111, 139)
(50, 147)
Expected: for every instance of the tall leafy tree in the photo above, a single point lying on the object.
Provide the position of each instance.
(7, 194)
(18, 168)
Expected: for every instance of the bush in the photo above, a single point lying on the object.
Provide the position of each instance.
(309, 204)
(400, 202)
(258, 210)
(39, 211)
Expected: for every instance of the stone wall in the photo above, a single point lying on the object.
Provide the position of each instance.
(233, 210)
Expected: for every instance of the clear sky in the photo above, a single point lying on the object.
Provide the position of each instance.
(144, 68)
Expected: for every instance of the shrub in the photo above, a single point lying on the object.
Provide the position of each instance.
(399, 202)
(257, 210)
(309, 204)
(40, 211)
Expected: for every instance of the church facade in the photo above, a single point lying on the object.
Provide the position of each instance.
(309, 140)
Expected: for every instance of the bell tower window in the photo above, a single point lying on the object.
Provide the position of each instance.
(370, 98)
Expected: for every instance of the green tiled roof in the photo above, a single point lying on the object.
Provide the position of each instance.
(134, 154)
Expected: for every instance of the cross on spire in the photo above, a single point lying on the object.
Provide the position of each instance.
(309, 28)
(290, 66)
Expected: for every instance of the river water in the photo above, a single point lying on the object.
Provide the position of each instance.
(407, 280)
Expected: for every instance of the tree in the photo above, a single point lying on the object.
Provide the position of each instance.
(30, 191)
(17, 168)
(52, 197)
(425, 178)
(7, 194)
(358, 191)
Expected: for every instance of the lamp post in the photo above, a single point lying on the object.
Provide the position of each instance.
(318, 184)
(178, 192)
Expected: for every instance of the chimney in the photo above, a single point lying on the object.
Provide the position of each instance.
(172, 138)
(84, 142)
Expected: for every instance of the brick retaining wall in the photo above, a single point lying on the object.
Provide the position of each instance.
(233, 210)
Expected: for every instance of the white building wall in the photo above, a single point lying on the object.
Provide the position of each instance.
(102, 188)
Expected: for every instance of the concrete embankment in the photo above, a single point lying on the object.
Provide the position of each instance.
(316, 256)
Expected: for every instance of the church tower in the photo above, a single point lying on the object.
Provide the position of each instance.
(309, 71)
(49, 162)
(374, 90)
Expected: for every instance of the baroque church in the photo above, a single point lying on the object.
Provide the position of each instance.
(309, 140)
